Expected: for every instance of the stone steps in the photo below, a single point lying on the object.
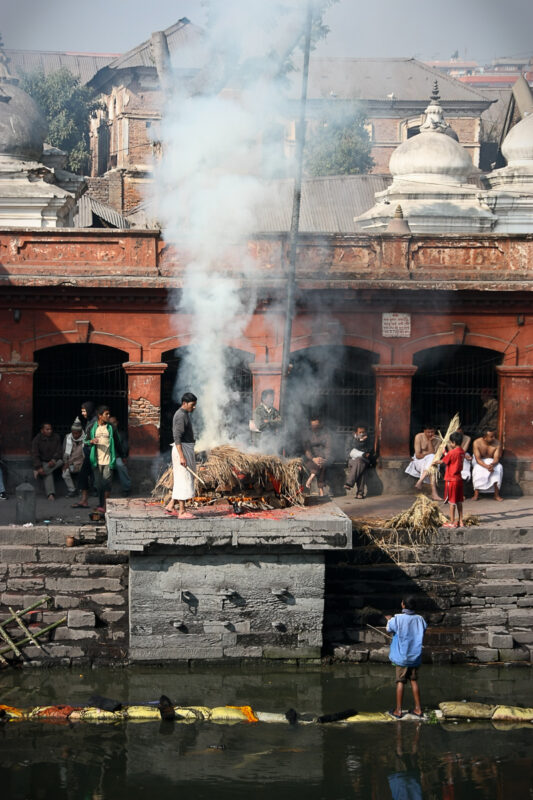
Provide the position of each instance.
(52, 534)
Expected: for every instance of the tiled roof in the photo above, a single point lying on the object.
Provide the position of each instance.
(180, 35)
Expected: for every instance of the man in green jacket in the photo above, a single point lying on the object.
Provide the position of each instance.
(102, 454)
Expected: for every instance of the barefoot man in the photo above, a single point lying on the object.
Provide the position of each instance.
(487, 472)
(426, 444)
(183, 457)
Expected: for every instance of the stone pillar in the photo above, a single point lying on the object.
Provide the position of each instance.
(16, 419)
(144, 407)
(393, 409)
(515, 426)
(266, 376)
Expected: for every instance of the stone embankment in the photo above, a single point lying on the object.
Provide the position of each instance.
(475, 587)
(86, 583)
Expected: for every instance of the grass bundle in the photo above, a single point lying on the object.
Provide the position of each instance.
(228, 469)
(454, 425)
(410, 529)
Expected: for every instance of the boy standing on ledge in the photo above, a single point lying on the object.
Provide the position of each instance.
(406, 653)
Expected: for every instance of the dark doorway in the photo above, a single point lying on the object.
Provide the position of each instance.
(450, 379)
(338, 384)
(240, 382)
(68, 374)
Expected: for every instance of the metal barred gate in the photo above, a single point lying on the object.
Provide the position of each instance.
(69, 374)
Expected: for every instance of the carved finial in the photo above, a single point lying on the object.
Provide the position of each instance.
(398, 214)
(435, 96)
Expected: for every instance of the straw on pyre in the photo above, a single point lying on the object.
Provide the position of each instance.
(248, 481)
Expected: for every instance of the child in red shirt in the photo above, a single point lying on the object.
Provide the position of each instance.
(453, 481)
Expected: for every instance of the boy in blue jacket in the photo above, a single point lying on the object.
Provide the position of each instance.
(406, 653)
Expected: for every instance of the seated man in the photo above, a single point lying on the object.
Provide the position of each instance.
(47, 457)
(72, 456)
(426, 444)
(487, 472)
(361, 456)
(317, 449)
(267, 422)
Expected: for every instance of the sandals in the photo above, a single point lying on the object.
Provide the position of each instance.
(415, 714)
(80, 505)
(397, 716)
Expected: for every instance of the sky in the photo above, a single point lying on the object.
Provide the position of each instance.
(425, 29)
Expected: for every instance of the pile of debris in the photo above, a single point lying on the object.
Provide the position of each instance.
(247, 481)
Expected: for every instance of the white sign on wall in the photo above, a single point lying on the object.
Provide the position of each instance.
(396, 325)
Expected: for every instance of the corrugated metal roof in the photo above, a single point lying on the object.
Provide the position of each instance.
(328, 204)
(377, 78)
(82, 65)
(88, 207)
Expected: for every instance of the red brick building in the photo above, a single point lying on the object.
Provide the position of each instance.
(85, 313)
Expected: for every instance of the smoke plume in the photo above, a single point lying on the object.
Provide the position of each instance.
(214, 176)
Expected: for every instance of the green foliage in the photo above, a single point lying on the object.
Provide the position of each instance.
(339, 145)
(67, 106)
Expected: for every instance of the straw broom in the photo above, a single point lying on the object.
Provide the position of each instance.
(445, 440)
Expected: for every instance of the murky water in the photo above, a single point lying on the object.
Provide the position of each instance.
(406, 761)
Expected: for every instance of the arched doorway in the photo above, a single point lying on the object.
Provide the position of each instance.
(69, 374)
(335, 382)
(240, 384)
(450, 379)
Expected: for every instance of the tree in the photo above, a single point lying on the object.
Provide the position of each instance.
(339, 145)
(67, 106)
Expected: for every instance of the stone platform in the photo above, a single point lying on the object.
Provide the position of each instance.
(224, 585)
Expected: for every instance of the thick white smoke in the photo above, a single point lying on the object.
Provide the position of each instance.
(214, 175)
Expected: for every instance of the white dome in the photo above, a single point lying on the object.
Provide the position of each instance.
(431, 153)
(517, 147)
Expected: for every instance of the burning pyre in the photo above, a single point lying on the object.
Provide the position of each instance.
(247, 481)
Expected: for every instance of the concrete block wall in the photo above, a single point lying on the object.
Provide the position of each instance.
(85, 583)
(474, 587)
(226, 605)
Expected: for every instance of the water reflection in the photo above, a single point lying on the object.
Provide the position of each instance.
(400, 761)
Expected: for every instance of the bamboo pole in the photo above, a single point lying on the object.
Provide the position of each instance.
(25, 611)
(386, 635)
(12, 646)
(195, 475)
(39, 633)
(25, 629)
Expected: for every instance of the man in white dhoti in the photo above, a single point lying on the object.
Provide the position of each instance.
(487, 472)
(426, 444)
(183, 460)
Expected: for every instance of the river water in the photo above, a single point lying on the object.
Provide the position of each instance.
(402, 761)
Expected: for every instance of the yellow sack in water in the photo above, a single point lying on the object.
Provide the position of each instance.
(369, 716)
(233, 714)
(457, 710)
(12, 713)
(142, 712)
(270, 716)
(201, 713)
(99, 715)
(512, 714)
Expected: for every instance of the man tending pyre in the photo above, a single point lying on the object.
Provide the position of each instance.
(183, 460)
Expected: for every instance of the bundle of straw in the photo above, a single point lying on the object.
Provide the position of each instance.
(225, 465)
(454, 425)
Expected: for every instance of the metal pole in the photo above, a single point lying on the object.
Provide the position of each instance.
(295, 219)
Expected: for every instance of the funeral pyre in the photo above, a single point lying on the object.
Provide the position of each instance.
(246, 481)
